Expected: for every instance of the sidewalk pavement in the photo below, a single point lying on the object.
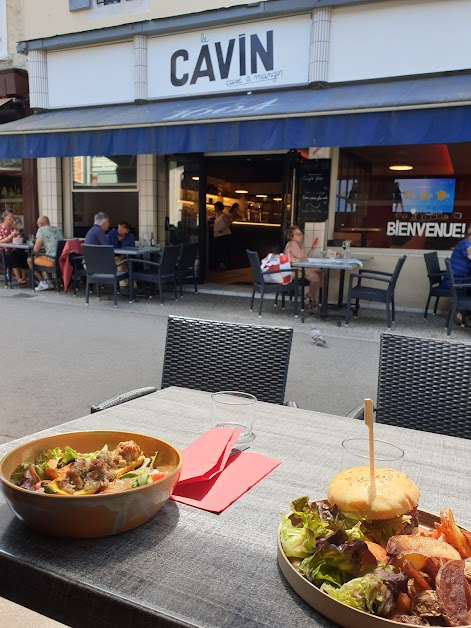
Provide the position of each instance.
(63, 356)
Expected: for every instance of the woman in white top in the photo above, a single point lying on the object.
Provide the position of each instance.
(295, 250)
(222, 233)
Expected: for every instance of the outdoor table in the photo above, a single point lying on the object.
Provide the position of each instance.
(136, 251)
(188, 567)
(327, 264)
(27, 246)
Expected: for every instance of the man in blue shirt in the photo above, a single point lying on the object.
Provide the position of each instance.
(460, 261)
(121, 237)
(97, 234)
(461, 257)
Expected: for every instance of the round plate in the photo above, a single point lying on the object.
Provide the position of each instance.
(342, 614)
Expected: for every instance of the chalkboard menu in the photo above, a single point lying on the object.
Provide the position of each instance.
(313, 196)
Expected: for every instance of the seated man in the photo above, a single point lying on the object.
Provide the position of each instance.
(97, 234)
(460, 261)
(47, 238)
(121, 237)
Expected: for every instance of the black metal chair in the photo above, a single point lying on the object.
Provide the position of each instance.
(55, 270)
(262, 287)
(155, 273)
(435, 277)
(368, 293)
(460, 289)
(102, 269)
(186, 265)
(424, 384)
(215, 356)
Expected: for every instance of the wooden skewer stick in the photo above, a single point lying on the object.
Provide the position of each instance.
(368, 414)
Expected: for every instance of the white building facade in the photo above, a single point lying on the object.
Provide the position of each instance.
(169, 94)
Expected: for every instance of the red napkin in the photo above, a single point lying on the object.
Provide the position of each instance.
(219, 483)
(207, 456)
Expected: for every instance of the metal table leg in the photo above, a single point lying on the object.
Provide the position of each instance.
(32, 270)
(302, 294)
(341, 287)
(325, 293)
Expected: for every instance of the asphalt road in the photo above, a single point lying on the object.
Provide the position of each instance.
(59, 356)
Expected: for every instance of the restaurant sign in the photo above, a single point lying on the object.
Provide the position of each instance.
(427, 229)
(261, 55)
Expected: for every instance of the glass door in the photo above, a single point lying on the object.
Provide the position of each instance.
(186, 221)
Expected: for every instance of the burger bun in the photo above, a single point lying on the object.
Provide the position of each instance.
(392, 494)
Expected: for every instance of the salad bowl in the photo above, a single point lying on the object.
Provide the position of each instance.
(97, 515)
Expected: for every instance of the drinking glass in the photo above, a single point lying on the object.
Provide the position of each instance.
(346, 249)
(356, 453)
(231, 408)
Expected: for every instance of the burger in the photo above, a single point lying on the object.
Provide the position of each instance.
(383, 508)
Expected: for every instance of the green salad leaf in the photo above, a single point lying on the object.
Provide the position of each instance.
(18, 474)
(374, 593)
(300, 531)
(338, 563)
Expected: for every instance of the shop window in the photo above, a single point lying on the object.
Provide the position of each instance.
(119, 171)
(104, 184)
(105, 2)
(404, 197)
(11, 188)
(78, 5)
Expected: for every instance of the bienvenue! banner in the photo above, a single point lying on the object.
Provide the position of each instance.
(427, 229)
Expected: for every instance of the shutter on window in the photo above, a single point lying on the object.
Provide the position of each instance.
(76, 5)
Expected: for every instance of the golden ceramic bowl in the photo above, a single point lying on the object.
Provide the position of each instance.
(89, 516)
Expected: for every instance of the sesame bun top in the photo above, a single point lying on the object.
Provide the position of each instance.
(393, 493)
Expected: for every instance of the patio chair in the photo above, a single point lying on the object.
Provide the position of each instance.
(185, 268)
(215, 356)
(424, 384)
(155, 273)
(101, 269)
(460, 288)
(435, 277)
(380, 295)
(262, 287)
(55, 271)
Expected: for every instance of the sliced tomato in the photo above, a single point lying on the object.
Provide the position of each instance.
(157, 476)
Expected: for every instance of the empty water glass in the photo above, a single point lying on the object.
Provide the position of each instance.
(231, 408)
(356, 453)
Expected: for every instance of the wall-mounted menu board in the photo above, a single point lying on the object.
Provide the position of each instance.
(313, 196)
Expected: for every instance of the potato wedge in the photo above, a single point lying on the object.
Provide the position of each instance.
(417, 560)
(414, 544)
(453, 535)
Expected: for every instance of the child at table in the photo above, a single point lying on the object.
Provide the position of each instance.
(295, 250)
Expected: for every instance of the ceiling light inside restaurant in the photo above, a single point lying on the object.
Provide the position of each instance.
(401, 167)
(277, 198)
(261, 195)
(241, 191)
(195, 178)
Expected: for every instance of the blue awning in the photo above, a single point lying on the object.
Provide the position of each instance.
(421, 111)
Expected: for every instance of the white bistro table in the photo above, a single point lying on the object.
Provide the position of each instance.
(327, 264)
